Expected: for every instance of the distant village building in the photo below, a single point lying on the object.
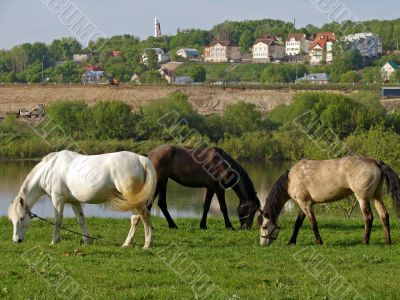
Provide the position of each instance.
(388, 69)
(321, 48)
(168, 75)
(183, 80)
(59, 62)
(315, 78)
(296, 44)
(89, 68)
(157, 28)
(268, 49)
(162, 57)
(221, 51)
(81, 58)
(136, 79)
(369, 44)
(188, 53)
(95, 75)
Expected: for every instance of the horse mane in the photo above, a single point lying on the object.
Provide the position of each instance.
(45, 159)
(245, 181)
(275, 200)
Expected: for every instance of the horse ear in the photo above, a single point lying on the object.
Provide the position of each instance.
(260, 211)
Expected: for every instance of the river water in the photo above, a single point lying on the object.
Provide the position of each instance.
(182, 201)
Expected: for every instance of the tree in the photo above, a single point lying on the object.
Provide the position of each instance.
(152, 59)
(198, 73)
(350, 77)
(242, 117)
(246, 41)
(68, 72)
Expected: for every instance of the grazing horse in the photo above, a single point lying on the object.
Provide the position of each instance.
(312, 182)
(124, 180)
(208, 167)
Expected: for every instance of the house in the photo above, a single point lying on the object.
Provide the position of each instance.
(369, 44)
(296, 44)
(268, 49)
(136, 79)
(390, 92)
(222, 51)
(162, 57)
(188, 53)
(315, 78)
(59, 63)
(81, 58)
(92, 68)
(168, 75)
(95, 77)
(388, 69)
(183, 80)
(322, 47)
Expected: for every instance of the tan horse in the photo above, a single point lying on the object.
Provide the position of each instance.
(312, 182)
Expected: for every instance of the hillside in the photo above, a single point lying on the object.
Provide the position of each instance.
(205, 100)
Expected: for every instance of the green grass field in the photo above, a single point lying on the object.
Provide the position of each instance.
(191, 264)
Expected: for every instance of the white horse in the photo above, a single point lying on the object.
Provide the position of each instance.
(125, 180)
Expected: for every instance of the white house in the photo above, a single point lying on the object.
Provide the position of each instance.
(388, 69)
(321, 49)
(369, 44)
(268, 49)
(81, 58)
(222, 51)
(296, 44)
(162, 57)
(188, 53)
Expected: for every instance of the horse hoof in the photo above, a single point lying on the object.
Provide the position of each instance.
(173, 227)
(124, 246)
(292, 243)
(230, 228)
(203, 227)
(147, 248)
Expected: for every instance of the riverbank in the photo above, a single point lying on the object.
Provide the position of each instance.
(187, 262)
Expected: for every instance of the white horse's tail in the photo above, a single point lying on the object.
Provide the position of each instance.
(130, 201)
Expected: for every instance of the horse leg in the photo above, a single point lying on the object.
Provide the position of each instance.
(313, 222)
(299, 221)
(224, 209)
(383, 214)
(162, 204)
(80, 216)
(58, 212)
(148, 233)
(207, 203)
(131, 235)
(368, 218)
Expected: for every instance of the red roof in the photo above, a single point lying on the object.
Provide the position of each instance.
(297, 36)
(223, 43)
(322, 38)
(93, 68)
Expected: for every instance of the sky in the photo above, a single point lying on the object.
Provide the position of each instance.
(33, 20)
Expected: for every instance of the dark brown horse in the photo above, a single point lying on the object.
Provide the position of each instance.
(207, 167)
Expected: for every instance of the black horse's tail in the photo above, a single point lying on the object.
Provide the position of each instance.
(393, 182)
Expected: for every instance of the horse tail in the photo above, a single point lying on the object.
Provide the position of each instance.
(393, 182)
(129, 200)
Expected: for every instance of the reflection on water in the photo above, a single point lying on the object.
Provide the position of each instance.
(182, 201)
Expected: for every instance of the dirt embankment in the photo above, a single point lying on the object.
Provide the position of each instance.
(205, 100)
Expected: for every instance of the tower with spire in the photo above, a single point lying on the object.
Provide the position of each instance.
(157, 28)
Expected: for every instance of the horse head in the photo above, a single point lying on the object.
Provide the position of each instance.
(19, 215)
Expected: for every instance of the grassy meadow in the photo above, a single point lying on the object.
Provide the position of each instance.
(192, 264)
